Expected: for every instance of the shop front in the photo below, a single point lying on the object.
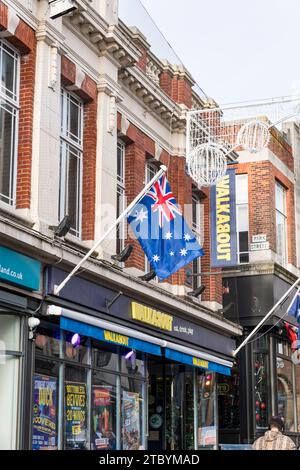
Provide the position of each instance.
(19, 276)
(115, 375)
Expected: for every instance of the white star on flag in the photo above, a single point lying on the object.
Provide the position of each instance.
(187, 237)
(183, 252)
(172, 253)
(156, 258)
(168, 236)
(141, 216)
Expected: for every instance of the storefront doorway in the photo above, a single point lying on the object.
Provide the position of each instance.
(170, 406)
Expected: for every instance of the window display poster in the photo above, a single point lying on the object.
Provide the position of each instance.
(103, 412)
(207, 436)
(44, 430)
(75, 415)
(131, 421)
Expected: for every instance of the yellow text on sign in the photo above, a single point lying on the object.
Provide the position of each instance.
(200, 363)
(223, 220)
(116, 338)
(151, 317)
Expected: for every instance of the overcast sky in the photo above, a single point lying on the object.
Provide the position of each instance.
(237, 50)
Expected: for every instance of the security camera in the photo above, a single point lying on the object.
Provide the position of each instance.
(33, 323)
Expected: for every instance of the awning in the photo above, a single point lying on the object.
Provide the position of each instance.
(109, 336)
(197, 362)
(103, 330)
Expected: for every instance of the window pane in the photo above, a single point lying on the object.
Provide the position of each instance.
(207, 431)
(7, 137)
(132, 402)
(73, 197)
(74, 121)
(244, 242)
(229, 400)
(174, 384)
(103, 411)
(243, 218)
(280, 198)
(134, 366)
(48, 340)
(242, 189)
(285, 394)
(45, 406)
(10, 332)
(105, 359)
(78, 353)
(261, 390)
(8, 75)
(9, 375)
(76, 429)
(189, 410)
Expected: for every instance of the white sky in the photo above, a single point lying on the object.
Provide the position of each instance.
(237, 50)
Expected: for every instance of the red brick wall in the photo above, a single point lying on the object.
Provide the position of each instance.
(262, 215)
(181, 91)
(27, 81)
(165, 83)
(281, 149)
(89, 170)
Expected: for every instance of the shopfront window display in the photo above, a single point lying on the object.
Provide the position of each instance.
(88, 390)
(207, 427)
(285, 385)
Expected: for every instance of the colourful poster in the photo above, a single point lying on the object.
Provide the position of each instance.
(103, 405)
(76, 415)
(44, 429)
(131, 421)
(207, 436)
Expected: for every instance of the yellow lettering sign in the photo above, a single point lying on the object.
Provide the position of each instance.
(200, 363)
(151, 317)
(223, 236)
(116, 338)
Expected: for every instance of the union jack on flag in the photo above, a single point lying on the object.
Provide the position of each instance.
(164, 201)
(159, 226)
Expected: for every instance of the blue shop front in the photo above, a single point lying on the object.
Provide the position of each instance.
(113, 370)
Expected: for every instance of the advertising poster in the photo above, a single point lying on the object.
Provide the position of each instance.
(103, 414)
(207, 436)
(76, 417)
(131, 421)
(44, 430)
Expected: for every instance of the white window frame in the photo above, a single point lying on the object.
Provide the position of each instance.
(197, 228)
(243, 203)
(121, 191)
(10, 102)
(69, 143)
(282, 258)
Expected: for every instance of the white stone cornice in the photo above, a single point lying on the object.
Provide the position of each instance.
(107, 85)
(46, 32)
(106, 40)
(155, 100)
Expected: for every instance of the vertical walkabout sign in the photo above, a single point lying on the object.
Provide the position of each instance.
(223, 222)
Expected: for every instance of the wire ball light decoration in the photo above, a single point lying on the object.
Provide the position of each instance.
(214, 133)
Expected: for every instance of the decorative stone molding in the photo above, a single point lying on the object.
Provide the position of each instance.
(108, 39)
(153, 70)
(153, 98)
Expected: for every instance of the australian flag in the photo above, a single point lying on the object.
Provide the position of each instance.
(158, 224)
(294, 309)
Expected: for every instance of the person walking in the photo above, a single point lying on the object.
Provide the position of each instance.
(274, 439)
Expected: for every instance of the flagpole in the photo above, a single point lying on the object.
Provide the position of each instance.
(162, 170)
(246, 340)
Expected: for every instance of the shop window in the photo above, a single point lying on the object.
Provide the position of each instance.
(207, 428)
(189, 438)
(45, 405)
(229, 400)
(242, 218)
(47, 340)
(75, 409)
(71, 158)
(281, 223)
(104, 411)
(120, 194)
(133, 395)
(9, 111)
(105, 357)
(10, 330)
(76, 351)
(261, 390)
(132, 363)
(285, 393)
